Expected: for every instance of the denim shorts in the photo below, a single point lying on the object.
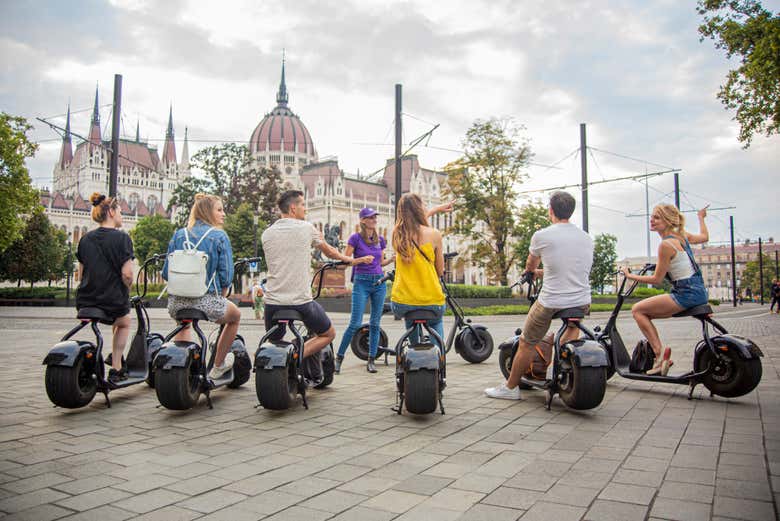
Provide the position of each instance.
(690, 292)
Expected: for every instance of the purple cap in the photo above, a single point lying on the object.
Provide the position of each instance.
(367, 212)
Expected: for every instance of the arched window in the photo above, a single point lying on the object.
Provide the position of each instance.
(76, 235)
(132, 200)
(151, 202)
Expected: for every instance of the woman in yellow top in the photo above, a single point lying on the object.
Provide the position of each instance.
(419, 261)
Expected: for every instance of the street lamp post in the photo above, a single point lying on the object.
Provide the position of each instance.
(255, 220)
(70, 270)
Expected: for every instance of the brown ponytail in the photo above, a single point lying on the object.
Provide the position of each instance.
(101, 205)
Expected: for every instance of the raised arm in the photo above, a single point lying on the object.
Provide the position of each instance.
(446, 207)
(704, 234)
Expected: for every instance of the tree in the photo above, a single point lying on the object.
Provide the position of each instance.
(16, 192)
(183, 197)
(222, 166)
(38, 255)
(750, 276)
(151, 236)
(604, 258)
(532, 217)
(484, 182)
(743, 28)
(240, 228)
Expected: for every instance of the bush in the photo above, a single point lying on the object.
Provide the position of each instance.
(514, 309)
(647, 292)
(469, 291)
(14, 293)
(714, 301)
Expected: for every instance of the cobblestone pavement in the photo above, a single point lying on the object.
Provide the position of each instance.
(645, 453)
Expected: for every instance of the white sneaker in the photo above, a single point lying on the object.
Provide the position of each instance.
(503, 392)
(217, 371)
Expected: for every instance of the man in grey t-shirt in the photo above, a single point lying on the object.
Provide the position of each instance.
(566, 252)
(287, 245)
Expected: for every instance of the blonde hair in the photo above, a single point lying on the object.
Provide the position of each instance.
(203, 209)
(372, 239)
(409, 218)
(674, 219)
(101, 205)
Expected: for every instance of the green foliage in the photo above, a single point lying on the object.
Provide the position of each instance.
(25, 292)
(532, 218)
(604, 258)
(469, 291)
(523, 309)
(744, 29)
(151, 236)
(484, 183)
(16, 192)
(183, 197)
(240, 228)
(647, 292)
(39, 255)
(750, 276)
(714, 301)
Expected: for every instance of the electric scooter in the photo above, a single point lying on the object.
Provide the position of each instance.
(728, 365)
(75, 369)
(577, 372)
(181, 367)
(280, 372)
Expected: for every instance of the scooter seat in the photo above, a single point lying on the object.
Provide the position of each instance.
(190, 314)
(287, 314)
(577, 312)
(421, 314)
(94, 314)
(695, 311)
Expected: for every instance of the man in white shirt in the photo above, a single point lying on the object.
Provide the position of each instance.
(566, 252)
(287, 245)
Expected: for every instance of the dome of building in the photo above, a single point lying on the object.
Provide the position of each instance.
(281, 131)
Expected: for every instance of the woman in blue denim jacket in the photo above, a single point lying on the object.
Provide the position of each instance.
(208, 215)
(675, 259)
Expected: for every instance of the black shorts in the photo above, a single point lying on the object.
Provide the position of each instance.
(113, 313)
(314, 318)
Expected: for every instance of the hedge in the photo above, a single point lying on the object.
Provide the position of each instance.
(26, 292)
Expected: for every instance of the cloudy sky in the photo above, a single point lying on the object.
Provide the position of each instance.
(634, 72)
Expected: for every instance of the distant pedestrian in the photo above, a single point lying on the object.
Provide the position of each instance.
(257, 299)
(775, 293)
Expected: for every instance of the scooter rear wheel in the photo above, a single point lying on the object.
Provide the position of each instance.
(583, 388)
(421, 391)
(275, 389)
(177, 388)
(70, 387)
(732, 377)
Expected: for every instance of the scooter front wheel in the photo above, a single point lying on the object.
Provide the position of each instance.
(70, 387)
(242, 365)
(731, 376)
(505, 363)
(359, 343)
(421, 391)
(177, 388)
(582, 388)
(328, 367)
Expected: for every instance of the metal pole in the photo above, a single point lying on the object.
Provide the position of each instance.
(115, 120)
(70, 269)
(254, 219)
(647, 217)
(761, 269)
(677, 190)
(777, 269)
(584, 168)
(733, 263)
(398, 140)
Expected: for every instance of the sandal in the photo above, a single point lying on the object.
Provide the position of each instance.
(663, 366)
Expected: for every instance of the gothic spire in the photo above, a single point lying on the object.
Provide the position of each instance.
(137, 131)
(94, 129)
(169, 132)
(169, 150)
(281, 96)
(66, 152)
(185, 153)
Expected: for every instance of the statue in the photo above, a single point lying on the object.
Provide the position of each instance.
(331, 235)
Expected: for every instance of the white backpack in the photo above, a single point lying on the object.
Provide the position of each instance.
(187, 269)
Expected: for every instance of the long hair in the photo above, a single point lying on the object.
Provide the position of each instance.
(674, 219)
(370, 239)
(408, 220)
(101, 205)
(203, 209)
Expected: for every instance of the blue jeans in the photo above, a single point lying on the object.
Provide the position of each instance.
(399, 310)
(363, 289)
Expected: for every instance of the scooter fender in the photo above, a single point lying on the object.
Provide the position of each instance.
(66, 353)
(586, 353)
(744, 347)
(269, 356)
(174, 354)
(509, 344)
(421, 357)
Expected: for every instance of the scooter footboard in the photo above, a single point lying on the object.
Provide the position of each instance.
(269, 356)
(744, 347)
(425, 356)
(586, 353)
(174, 354)
(66, 353)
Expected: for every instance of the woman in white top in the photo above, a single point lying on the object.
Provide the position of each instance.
(675, 258)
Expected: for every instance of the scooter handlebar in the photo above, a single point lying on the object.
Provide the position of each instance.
(390, 275)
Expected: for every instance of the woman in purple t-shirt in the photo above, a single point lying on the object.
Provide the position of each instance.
(365, 242)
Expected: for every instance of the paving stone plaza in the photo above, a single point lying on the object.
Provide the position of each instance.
(646, 453)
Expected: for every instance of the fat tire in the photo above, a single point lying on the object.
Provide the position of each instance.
(746, 375)
(150, 374)
(421, 391)
(505, 364)
(359, 342)
(275, 389)
(70, 387)
(469, 348)
(586, 388)
(178, 389)
(242, 366)
(328, 368)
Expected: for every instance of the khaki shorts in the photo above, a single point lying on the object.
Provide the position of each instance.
(538, 322)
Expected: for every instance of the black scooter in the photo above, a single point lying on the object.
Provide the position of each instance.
(473, 342)
(728, 365)
(578, 367)
(75, 369)
(181, 368)
(280, 374)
